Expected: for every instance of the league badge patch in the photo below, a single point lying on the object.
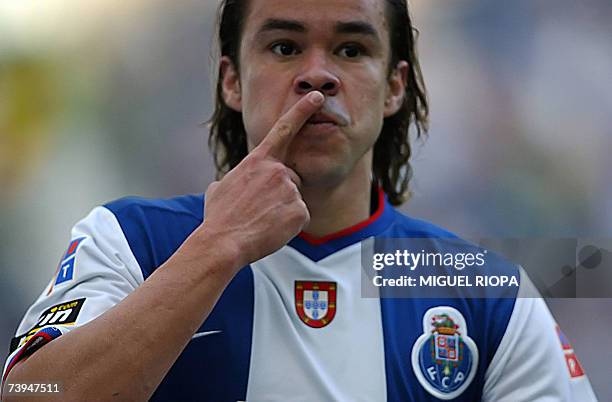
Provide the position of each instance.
(444, 357)
(65, 269)
(315, 302)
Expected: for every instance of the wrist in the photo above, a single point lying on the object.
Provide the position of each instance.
(219, 248)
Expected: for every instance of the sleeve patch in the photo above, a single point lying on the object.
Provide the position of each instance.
(60, 314)
(573, 365)
(65, 269)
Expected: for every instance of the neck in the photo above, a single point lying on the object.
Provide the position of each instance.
(339, 206)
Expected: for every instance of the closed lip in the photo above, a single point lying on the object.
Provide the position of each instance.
(321, 118)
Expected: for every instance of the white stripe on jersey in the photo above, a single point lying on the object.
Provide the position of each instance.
(339, 362)
(530, 340)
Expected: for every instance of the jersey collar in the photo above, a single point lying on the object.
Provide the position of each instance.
(317, 248)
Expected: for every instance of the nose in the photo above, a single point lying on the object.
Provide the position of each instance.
(316, 76)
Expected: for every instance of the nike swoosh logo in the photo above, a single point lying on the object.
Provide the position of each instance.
(205, 333)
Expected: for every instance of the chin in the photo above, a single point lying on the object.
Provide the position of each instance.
(319, 171)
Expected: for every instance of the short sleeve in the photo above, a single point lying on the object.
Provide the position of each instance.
(96, 272)
(534, 361)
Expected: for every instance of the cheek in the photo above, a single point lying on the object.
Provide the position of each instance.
(256, 122)
(368, 95)
(368, 107)
(259, 111)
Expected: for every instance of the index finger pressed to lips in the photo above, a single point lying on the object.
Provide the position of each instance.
(275, 144)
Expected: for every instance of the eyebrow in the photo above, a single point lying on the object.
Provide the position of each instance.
(356, 27)
(349, 27)
(282, 25)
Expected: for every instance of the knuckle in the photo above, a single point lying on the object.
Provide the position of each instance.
(300, 212)
(278, 170)
(250, 159)
(294, 177)
(294, 193)
(290, 194)
(212, 187)
(306, 218)
(251, 163)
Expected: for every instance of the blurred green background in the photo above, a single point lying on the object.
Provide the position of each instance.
(101, 99)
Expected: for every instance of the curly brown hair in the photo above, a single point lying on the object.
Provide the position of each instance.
(391, 167)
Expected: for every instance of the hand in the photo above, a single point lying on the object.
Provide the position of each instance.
(257, 207)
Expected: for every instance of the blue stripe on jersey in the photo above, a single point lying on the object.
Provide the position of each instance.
(217, 363)
(402, 319)
(155, 229)
(486, 321)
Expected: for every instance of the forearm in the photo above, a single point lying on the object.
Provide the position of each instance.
(125, 353)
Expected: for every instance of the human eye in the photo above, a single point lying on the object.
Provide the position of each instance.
(284, 48)
(352, 50)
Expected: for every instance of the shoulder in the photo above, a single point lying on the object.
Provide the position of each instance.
(408, 226)
(188, 206)
(426, 236)
(173, 213)
(486, 310)
(155, 228)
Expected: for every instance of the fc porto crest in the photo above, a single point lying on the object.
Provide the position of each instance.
(315, 302)
(444, 357)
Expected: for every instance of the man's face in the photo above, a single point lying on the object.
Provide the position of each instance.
(340, 48)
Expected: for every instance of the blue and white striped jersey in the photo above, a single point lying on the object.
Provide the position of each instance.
(294, 326)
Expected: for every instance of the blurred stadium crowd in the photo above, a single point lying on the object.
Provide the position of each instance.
(101, 99)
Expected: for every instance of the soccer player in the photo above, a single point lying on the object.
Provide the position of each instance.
(253, 291)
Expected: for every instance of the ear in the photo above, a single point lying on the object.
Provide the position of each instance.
(230, 82)
(396, 89)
